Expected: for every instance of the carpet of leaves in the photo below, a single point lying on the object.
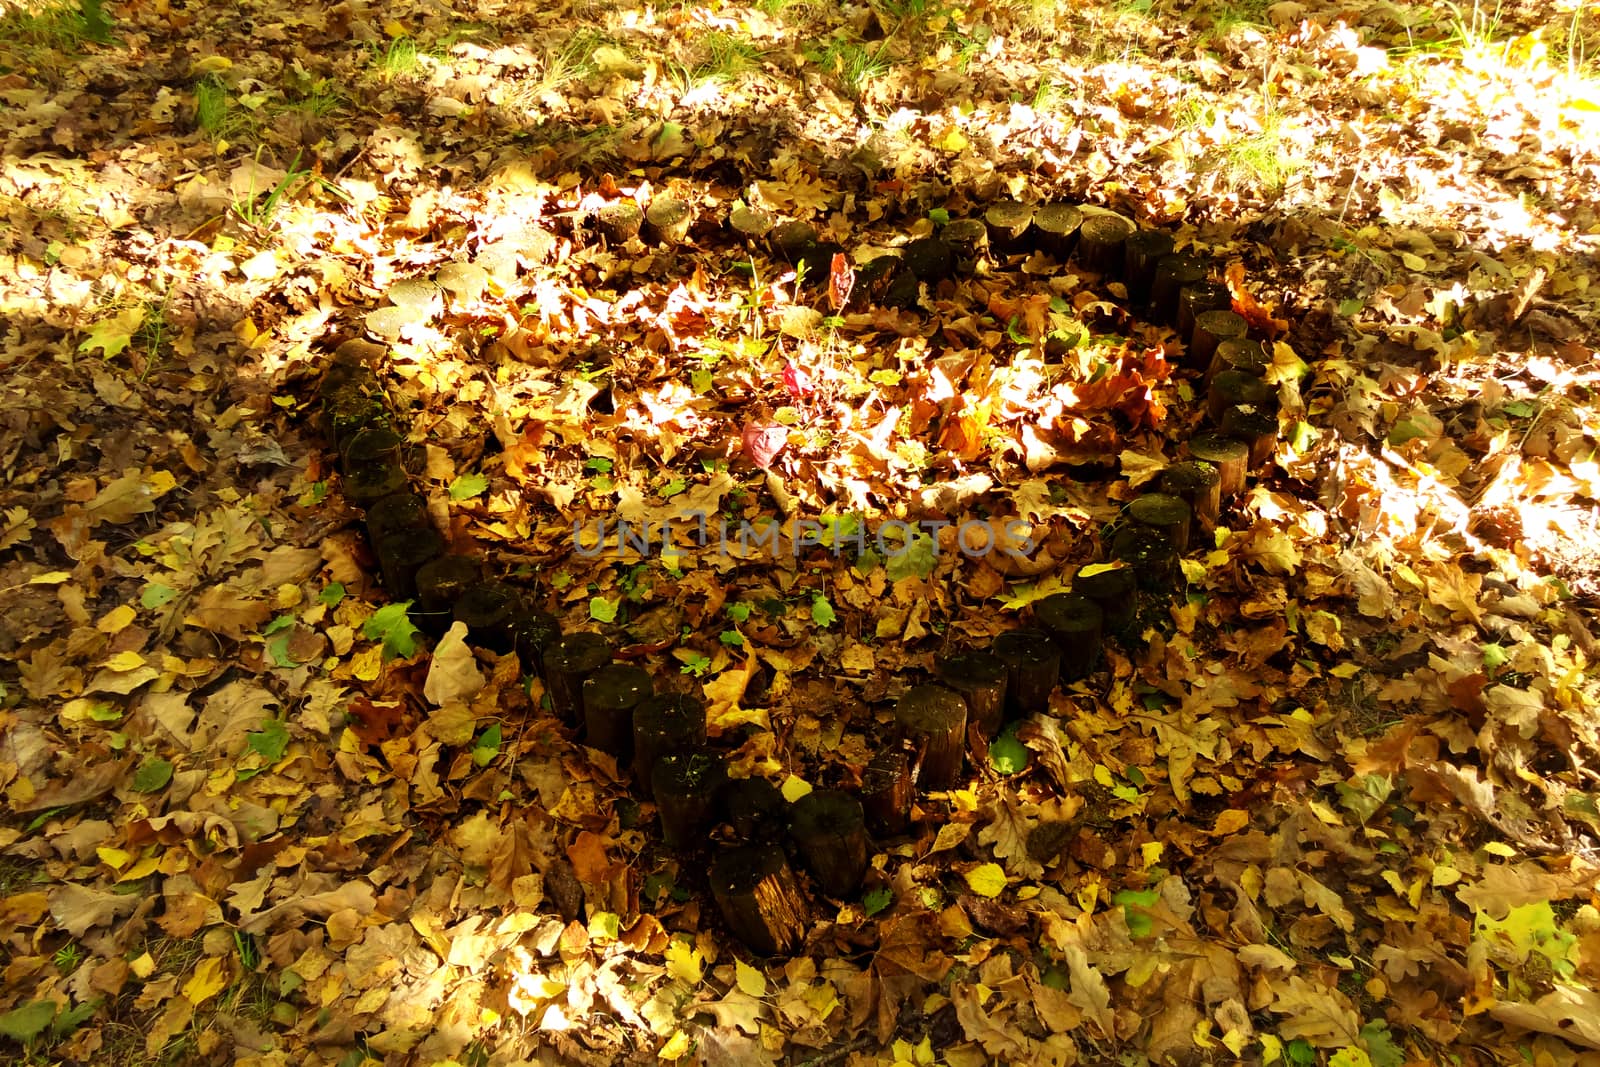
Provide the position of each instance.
(1339, 804)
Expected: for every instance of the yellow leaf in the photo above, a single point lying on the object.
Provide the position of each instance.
(210, 978)
(160, 483)
(1345, 670)
(986, 880)
(143, 967)
(684, 962)
(393, 28)
(211, 65)
(749, 980)
(50, 578)
(794, 788)
(1230, 822)
(954, 141)
(143, 869)
(115, 858)
(675, 1047)
(367, 664)
(112, 335)
(125, 661)
(116, 620)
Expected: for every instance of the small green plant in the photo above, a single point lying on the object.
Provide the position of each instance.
(67, 957)
(60, 24)
(212, 109)
(153, 331)
(853, 63)
(258, 215)
(399, 57)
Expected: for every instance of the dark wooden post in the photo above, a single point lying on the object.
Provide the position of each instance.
(402, 554)
(1236, 387)
(376, 444)
(1230, 458)
(1076, 623)
(440, 584)
(396, 512)
(619, 221)
(831, 830)
(1033, 666)
(756, 892)
(1173, 274)
(1164, 512)
(969, 238)
(1114, 588)
(980, 678)
(1211, 328)
(667, 220)
(1150, 555)
(610, 696)
(1197, 483)
(532, 634)
(887, 790)
(1056, 229)
(1256, 427)
(489, 609)
(934, 719)
(567, 663)
(754, 808)
(1140, 254)
(1196, 298)
(1100, 243)
(1009, 223)
(929, 258)
(1241, 354)
(686, 785)
(663, 723)
(367, 484)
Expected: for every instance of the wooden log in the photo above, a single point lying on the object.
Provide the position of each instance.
(759, 899)
(395, 512)
(687, 784)
(1211, 328)
(1008, 222)
(1100, 243)
(1076, 622)
(567, 663)
(1151, 557)
(610, 696)
(751, 223)
(1140, 254)
(619, 221)
(968, 239)
(1055, 229)
(929, 258)
(440, 583)
(489, 610)
(980, 678)
(667, 220)
(887, 790)
(350, 413)
(1236, 387)
(1197, 298)
(1165, 512)
(376, 444)
(1115, 589)
(402, 554)
(1033, 666)
(831, 829)
(1239, 353)
(1256, 427)
(1173, 274)
(532, 634)
(754, 809)
(663, 723)
(1231, 459)
(371, 482)
(1199, 485)
(790, 239)
(934, 719)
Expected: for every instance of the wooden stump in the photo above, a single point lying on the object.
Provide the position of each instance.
(1140, 254)
(1164, 512)
(1033, 666)
(1198, 484)
(831, 829)
(980, 678)
(754, 808)
(1211, 328)
(661, 724)
(686, 785)
(402, 554)
(930, 259)
(1241, 354)
(440, 583)
(532, 634)
(789, 240)
(1231, 459)
(1197, 298)
(1151, 557)
(489, 609)
(377, 444)
(815, 263)
(969, 238)
(1056, 229)
(934, 719)
(1256, 427)
(1009, 223)
(396, 512)
(610, 696)
(756, 892)
(667, 220)
(1076, 623)
(1173, 274)
(353, 411)
(887, 790)
(1114, 588)
(1233, 387)
(567, 663)
(619, 221)
(368, 484)
(1100, 243)
(750, 223)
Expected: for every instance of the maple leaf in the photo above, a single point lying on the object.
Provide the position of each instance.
(393, 627)
(112, 335)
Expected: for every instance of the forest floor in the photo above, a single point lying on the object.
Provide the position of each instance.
(1337, 803)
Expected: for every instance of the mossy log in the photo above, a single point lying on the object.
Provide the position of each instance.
(1151, 557)
(1241, 354)
(1076, 622)
(1170, 514)
(1256, 427)
(531, 635)
(929, 258)
(619, 221)
(686, 785)
(1115, 589)
(1056, 229)
(831, 829)
(440, 583)
(371, 482)
(1211, 328)
(349, 413)
(969, 239)
(489, 609)
(1194, 300)
(396, 512)
(980, 678)
(754, 809)
(667, 220)
(759, 899)
(663, 723)
(934, 719)
(402, 554)
(1009, 223)
(1173, 274)
(1140, 254)
(567, 664)
(376, 444)
(887, 790)
(1233, 387)
(1231, 459)
(1198, 484)
(1100, 244)
(1033, 666)
(610, 696)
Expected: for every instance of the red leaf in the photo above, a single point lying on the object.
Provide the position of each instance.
(797, 381)
(841, 279)
(763, 441)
